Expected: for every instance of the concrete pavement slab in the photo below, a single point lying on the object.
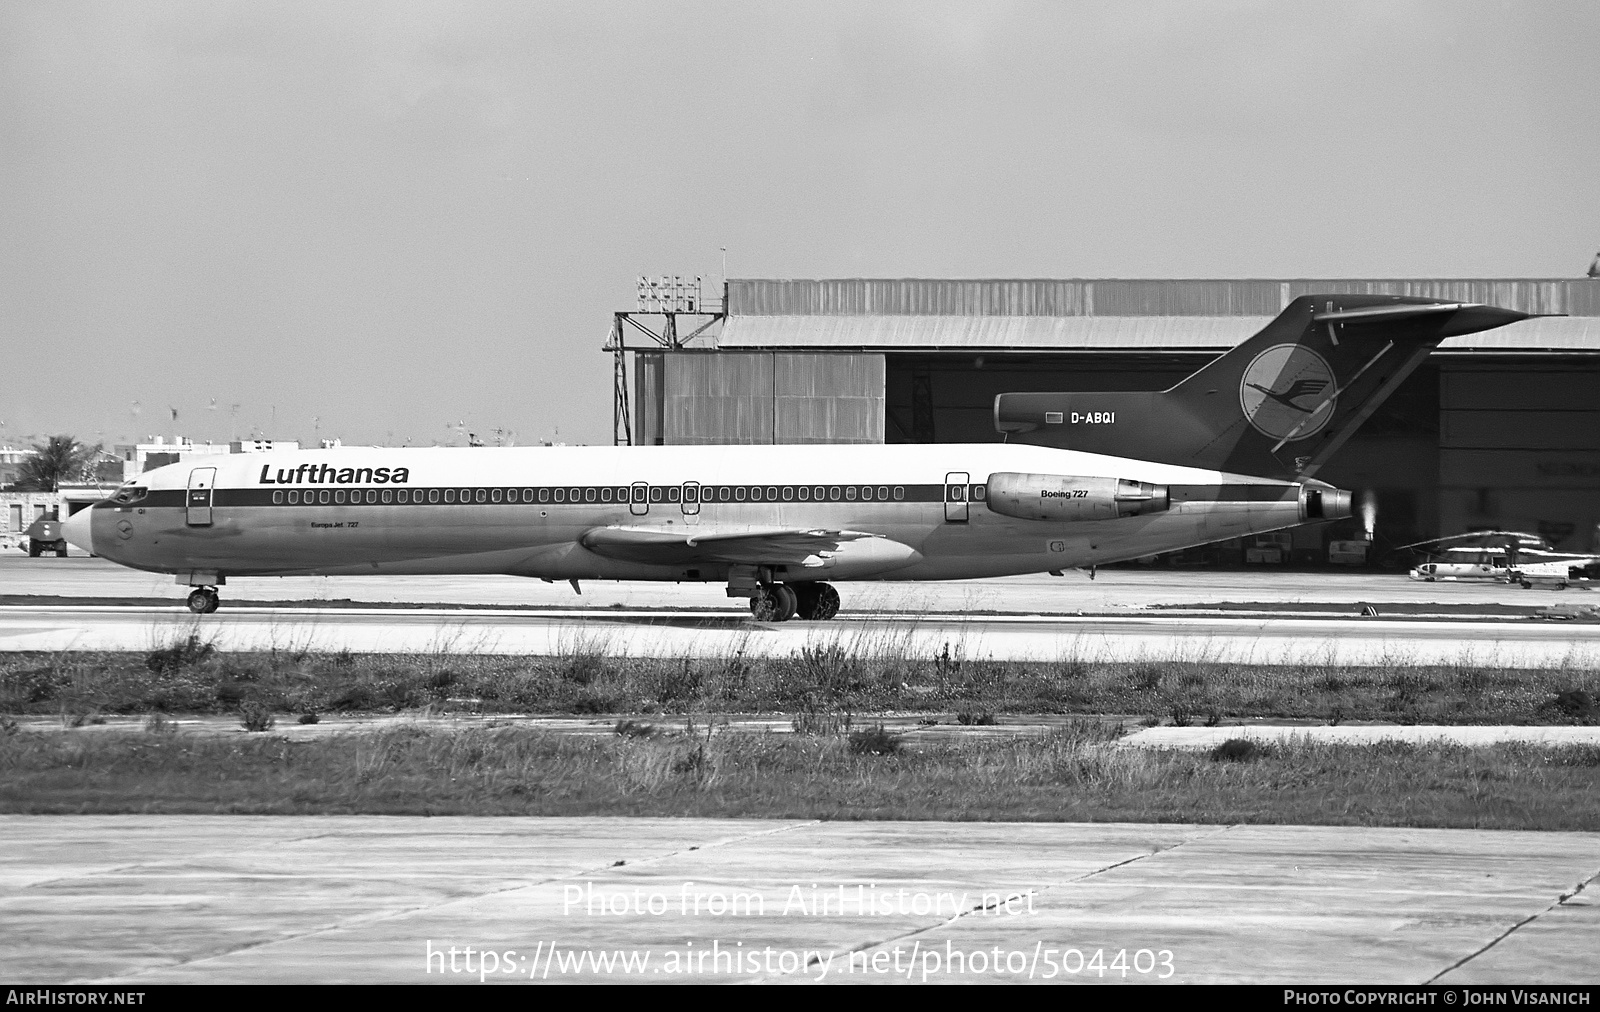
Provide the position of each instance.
(360, 899)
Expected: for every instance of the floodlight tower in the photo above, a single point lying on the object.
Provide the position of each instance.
(660, 302)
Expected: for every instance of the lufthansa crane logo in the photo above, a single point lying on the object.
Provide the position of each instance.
(1288, 392)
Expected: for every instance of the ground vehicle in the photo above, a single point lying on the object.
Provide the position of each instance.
(44, 535)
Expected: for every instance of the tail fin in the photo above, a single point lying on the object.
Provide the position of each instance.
(1277, 405)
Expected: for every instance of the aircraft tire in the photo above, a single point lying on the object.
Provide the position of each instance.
(805, 596)
(764, 606)
(786, 602)
(203, 601)
(1527, 585)
(827, 603)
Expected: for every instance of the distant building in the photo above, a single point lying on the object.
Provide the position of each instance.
(137, 458)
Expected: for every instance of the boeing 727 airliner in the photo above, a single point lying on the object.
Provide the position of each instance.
(776, 524)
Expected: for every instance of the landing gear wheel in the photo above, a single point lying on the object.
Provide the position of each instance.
(818, 601)
(787, 602)
(204, 601)
(774, 603)
(1527, 585)
(763, 605)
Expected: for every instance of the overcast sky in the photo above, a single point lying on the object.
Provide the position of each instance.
(377, 220)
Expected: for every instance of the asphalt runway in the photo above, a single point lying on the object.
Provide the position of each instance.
(368, 899)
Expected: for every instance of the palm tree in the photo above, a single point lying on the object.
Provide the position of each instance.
(58, 459)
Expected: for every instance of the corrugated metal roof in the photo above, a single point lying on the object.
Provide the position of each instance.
(1078, 297)
(1068, 333)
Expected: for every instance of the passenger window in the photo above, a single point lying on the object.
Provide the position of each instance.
(495, 496)
(899, 492)
(657, 494)
(816, 493)
(978, 492)
(449, 495)
(589, 495)
(322, 497)
(387, 495)
(338, 496)
(561, 495)
(833, 493)
(805, 493)
(294, 497)
(673, 493)
(850, 492)
(605, 494)
(433, 495)
(740, 492)
(788, 493)
(883, 493)
(544, 494)
(866, 492)
(772, 493)
(527, 495)
(277, 497)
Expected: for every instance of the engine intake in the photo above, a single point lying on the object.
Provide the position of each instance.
(1065, 497)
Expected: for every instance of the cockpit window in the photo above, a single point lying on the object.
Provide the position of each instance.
(130, 494)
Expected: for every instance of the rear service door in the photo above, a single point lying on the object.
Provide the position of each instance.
(202, 481)
(955, 497)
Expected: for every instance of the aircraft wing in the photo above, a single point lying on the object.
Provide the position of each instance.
(759, 546)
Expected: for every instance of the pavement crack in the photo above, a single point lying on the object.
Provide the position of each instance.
(377, 918)
(1496, 940)
(981, 908)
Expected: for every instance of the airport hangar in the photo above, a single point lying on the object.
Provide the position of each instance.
(1499, 429)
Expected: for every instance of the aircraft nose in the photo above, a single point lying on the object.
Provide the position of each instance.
(79, 530)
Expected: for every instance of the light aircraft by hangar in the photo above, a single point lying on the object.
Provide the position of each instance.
(780, 524)
(1504, 557)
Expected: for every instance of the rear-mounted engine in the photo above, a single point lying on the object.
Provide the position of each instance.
(1324, 502)
(1065, 497)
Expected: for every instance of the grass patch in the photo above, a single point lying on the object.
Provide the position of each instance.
(822, 681)
(1071, 775)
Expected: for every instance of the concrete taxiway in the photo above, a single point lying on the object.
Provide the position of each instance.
(367, 899)
(1265, 617)
(1113, 589)
(1132, 637)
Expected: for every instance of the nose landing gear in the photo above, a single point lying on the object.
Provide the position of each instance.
(204, 601)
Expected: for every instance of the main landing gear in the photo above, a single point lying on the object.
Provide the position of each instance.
(779, 602)
(204, 601)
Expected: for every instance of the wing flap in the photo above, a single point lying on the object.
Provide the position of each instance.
(759, 546)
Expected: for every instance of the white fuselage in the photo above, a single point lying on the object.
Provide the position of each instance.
(915, 512)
